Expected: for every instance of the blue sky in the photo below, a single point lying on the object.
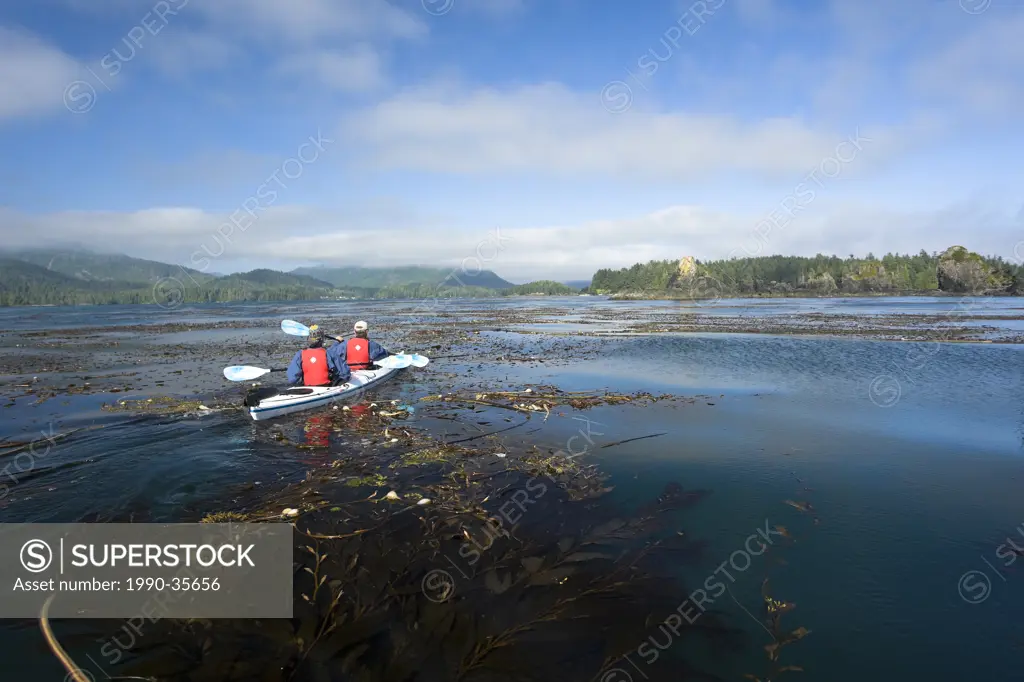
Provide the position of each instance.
(584, 134)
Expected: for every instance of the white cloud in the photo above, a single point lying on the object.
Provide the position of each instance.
(358, 69)
(33, 75)
(550, 129)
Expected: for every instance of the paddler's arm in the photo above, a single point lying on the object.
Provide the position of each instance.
(295, 369)
(336, 361)
(377, 351)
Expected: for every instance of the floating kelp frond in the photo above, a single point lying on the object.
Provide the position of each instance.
(161, 405)
(224, 517)
(534, 399)
(434, 454)
(372, 481)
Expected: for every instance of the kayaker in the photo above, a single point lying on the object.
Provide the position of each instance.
(361, 352)
(319, 366)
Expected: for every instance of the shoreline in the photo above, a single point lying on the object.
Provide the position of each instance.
(663, 296)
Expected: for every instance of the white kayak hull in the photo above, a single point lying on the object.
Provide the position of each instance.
(299, 398)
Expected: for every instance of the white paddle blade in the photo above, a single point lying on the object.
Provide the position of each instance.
(395, 361)
(243, 373)
(294, 328)
(419, 360)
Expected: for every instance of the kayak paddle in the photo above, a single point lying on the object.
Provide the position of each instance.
(246, 373)
(402, 360)
(395, 362)
(298, 329)
(294, 328)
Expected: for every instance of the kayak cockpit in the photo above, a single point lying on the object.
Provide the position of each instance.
(255, 395)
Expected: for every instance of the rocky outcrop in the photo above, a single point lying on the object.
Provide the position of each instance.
(870, 277)
(687, 267)
(965, 272)
(824, 284)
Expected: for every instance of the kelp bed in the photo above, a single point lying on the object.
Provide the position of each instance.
(426, 560)
(544, 398)
(128, 360)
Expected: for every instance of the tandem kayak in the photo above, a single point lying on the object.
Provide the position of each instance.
(266, 403)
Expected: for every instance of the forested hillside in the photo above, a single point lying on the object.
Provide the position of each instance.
(80, 277)
(430, 290)
(956, 270)
(89, 266)
(380, 278)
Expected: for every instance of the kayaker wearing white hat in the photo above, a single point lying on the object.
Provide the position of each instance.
(361, 352)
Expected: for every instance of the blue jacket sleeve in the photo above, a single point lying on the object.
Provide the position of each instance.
(377, 351)
(336, 361)
(295, 369)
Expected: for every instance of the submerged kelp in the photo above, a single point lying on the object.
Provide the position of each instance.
(442, 562)
(421, 559)
(423, 598)
(773, 611)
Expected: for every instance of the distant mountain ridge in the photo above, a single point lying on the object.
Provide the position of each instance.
(91, 266)
(83, 277)
(275, 278)
(16, 272)
(71, 277)
(376, 278)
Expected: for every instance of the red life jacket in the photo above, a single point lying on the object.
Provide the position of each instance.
(314, 367)
(357, 352)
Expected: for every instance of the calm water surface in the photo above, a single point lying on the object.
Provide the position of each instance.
(910, 454)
